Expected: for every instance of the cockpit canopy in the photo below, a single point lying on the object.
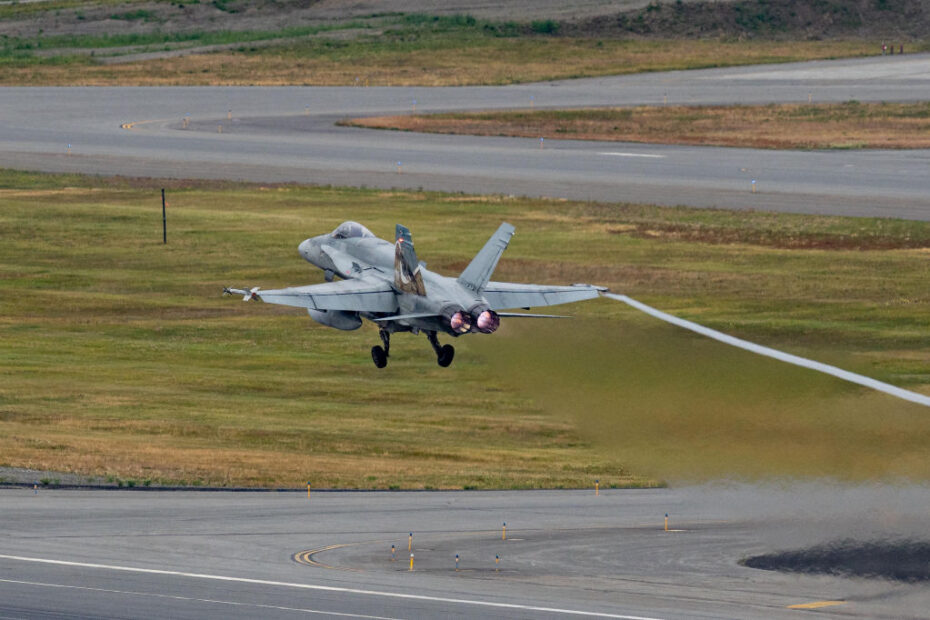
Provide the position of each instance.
(349, 230)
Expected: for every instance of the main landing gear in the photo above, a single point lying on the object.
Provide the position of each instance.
(444, 354)
(379, 355)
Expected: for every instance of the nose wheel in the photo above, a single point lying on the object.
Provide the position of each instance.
(379, 355)
(444, 353)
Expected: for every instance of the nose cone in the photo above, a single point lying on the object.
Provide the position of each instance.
(306, 249)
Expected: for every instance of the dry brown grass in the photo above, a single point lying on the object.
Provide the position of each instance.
(789, 126)
(480, 61)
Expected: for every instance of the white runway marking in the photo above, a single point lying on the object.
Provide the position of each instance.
(646, 155)
(845, 375)
(307, 586)
(197, 600)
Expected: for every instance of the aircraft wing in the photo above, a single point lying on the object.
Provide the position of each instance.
(504, 295)
(355, 295)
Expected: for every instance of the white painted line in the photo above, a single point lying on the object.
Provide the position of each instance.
(645, 155)
(307, 586)
(198, 600)
(845, 375)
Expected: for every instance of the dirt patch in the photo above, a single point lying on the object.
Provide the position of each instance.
(788, 126)
(772, 238)
(787, 19)
(907, 561)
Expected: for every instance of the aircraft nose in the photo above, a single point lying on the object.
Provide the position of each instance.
(306, 249)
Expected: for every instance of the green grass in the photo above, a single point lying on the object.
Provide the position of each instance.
(195, 38)
(388, 49)
(120, 358)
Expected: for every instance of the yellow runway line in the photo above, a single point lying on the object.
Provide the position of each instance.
(816, 604)
(133, 124)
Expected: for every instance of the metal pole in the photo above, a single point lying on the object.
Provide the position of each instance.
(164, 229)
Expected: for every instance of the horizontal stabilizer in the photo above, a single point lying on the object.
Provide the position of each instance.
(506, 295)
(533, 316)
(402, 317)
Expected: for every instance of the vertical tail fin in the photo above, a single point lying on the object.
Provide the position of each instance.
(479, 270)
(406, 266)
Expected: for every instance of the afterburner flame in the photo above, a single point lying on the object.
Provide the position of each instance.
(488, 322)
(460, 322)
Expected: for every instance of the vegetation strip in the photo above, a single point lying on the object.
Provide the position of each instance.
(122, 360)
(849, 125)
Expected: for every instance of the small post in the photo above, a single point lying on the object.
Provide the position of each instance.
(411, 561)
(410, 542)
(497, 561)
(456, 562)
(392, 553)
(753, 186)
(504, 532)
(666, 521)
(308, 490)
(596, 488)
(164, 230)
(541, 139)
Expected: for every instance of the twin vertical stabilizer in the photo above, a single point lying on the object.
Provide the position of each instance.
(407, 275)
(476, 275)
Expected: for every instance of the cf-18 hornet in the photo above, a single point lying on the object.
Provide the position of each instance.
(385, 283)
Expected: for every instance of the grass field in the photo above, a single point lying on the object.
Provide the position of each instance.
(119, 357)
(443, 53)
(848, 125)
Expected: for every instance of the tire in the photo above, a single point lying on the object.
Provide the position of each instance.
(446, 353)
(378, 356)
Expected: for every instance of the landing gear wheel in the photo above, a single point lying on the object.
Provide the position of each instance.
(446, 353)
(379, 357)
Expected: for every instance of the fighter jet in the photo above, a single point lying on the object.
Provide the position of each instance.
(387, 284)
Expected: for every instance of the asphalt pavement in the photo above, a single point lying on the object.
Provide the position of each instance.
(116, 554)
(288, 135)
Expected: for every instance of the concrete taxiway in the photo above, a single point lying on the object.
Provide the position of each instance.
(288, 135)
(83, 554)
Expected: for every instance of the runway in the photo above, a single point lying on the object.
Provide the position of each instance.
(113, 554)
(288, 135)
